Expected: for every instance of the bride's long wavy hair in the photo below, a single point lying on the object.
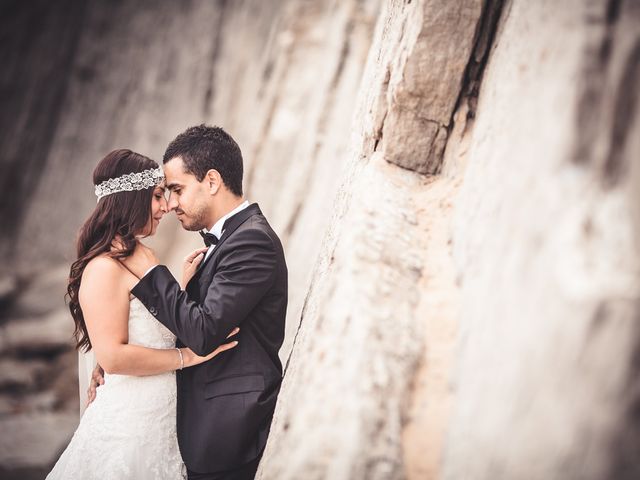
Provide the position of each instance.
(123, 215)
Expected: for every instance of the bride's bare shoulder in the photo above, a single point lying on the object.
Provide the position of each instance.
(103, 263)
(103, 289)
(102, 272)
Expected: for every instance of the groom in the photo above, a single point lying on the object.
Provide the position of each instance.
(225, 406)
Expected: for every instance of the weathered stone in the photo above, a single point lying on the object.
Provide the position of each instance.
(38, 47)
(427, 67)
(128, 85)
(9, 404)
(8, 294)
(547, 256)
(289, 99)
(530, 289)
(543, 282)
(374, 342)
(406, 250)
(35, 440)
(20, 375)
(8, 287)
(50, 334)
(42, 293)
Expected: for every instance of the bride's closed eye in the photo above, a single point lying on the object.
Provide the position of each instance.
(160, 193)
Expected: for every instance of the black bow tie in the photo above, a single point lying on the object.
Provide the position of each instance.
(209, 239)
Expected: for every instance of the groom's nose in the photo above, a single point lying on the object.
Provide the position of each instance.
(172, 203)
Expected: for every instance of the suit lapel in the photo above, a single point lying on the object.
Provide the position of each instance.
(230, 226)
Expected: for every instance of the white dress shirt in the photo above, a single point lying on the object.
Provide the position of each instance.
(217, 227)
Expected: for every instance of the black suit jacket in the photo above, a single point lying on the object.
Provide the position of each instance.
(225, 405)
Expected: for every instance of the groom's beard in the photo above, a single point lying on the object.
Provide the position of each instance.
(192, 223)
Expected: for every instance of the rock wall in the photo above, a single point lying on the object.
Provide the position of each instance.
(474, 311)
(546, 250)
(38, 47)
(457, 187)
(288, 95)
(376, 335)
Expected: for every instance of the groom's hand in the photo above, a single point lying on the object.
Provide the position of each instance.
(97, 379)
(142, 259)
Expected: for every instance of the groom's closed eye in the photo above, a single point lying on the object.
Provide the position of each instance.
(173, 188)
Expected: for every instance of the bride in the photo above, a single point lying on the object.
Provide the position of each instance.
(129, 430)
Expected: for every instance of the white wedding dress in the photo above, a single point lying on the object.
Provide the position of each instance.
(129, 430)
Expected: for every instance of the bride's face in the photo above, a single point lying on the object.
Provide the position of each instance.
(158, 209)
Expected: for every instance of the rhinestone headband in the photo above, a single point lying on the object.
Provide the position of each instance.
(130, 181)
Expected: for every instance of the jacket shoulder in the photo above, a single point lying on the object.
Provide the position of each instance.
(253, 230)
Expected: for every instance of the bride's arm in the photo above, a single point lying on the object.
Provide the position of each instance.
(104, 299)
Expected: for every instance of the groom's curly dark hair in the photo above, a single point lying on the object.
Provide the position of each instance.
(203, 148)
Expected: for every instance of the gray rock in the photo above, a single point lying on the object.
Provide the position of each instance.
(429, 56)
(518, 265)
(473, 309)
(9, 404)
(20, 375)
(8, 287)
(545, 248)
(43, 293)
(43, 336)
(36, 439)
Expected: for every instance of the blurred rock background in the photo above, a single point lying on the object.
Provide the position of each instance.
(456, 184)
(84, 77)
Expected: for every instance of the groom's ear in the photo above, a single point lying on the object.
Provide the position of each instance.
(214, 181)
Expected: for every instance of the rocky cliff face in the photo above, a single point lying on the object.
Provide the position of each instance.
(546, 250)
(474, 311)
(456, 185)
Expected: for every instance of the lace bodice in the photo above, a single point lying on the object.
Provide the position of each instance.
(145, 330)
(129, 431)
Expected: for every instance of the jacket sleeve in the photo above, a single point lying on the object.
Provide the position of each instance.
(245, 272)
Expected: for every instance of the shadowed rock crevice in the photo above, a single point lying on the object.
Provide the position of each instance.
(209, 94)
(321, 127)
(626, 103)
(273, 103)
(625, 442)
(608, 94)
(492, 12)
(427, 83)
(39, 42)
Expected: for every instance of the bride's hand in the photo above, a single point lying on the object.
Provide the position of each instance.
(190, 265)
(191, 359)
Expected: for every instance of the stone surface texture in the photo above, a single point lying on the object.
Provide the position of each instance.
(457, 187)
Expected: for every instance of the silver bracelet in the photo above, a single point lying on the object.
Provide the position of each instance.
(181, 358)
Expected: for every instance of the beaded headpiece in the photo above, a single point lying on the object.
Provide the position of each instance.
(129, 182)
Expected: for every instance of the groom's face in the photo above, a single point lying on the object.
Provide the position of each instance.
(188, 197)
